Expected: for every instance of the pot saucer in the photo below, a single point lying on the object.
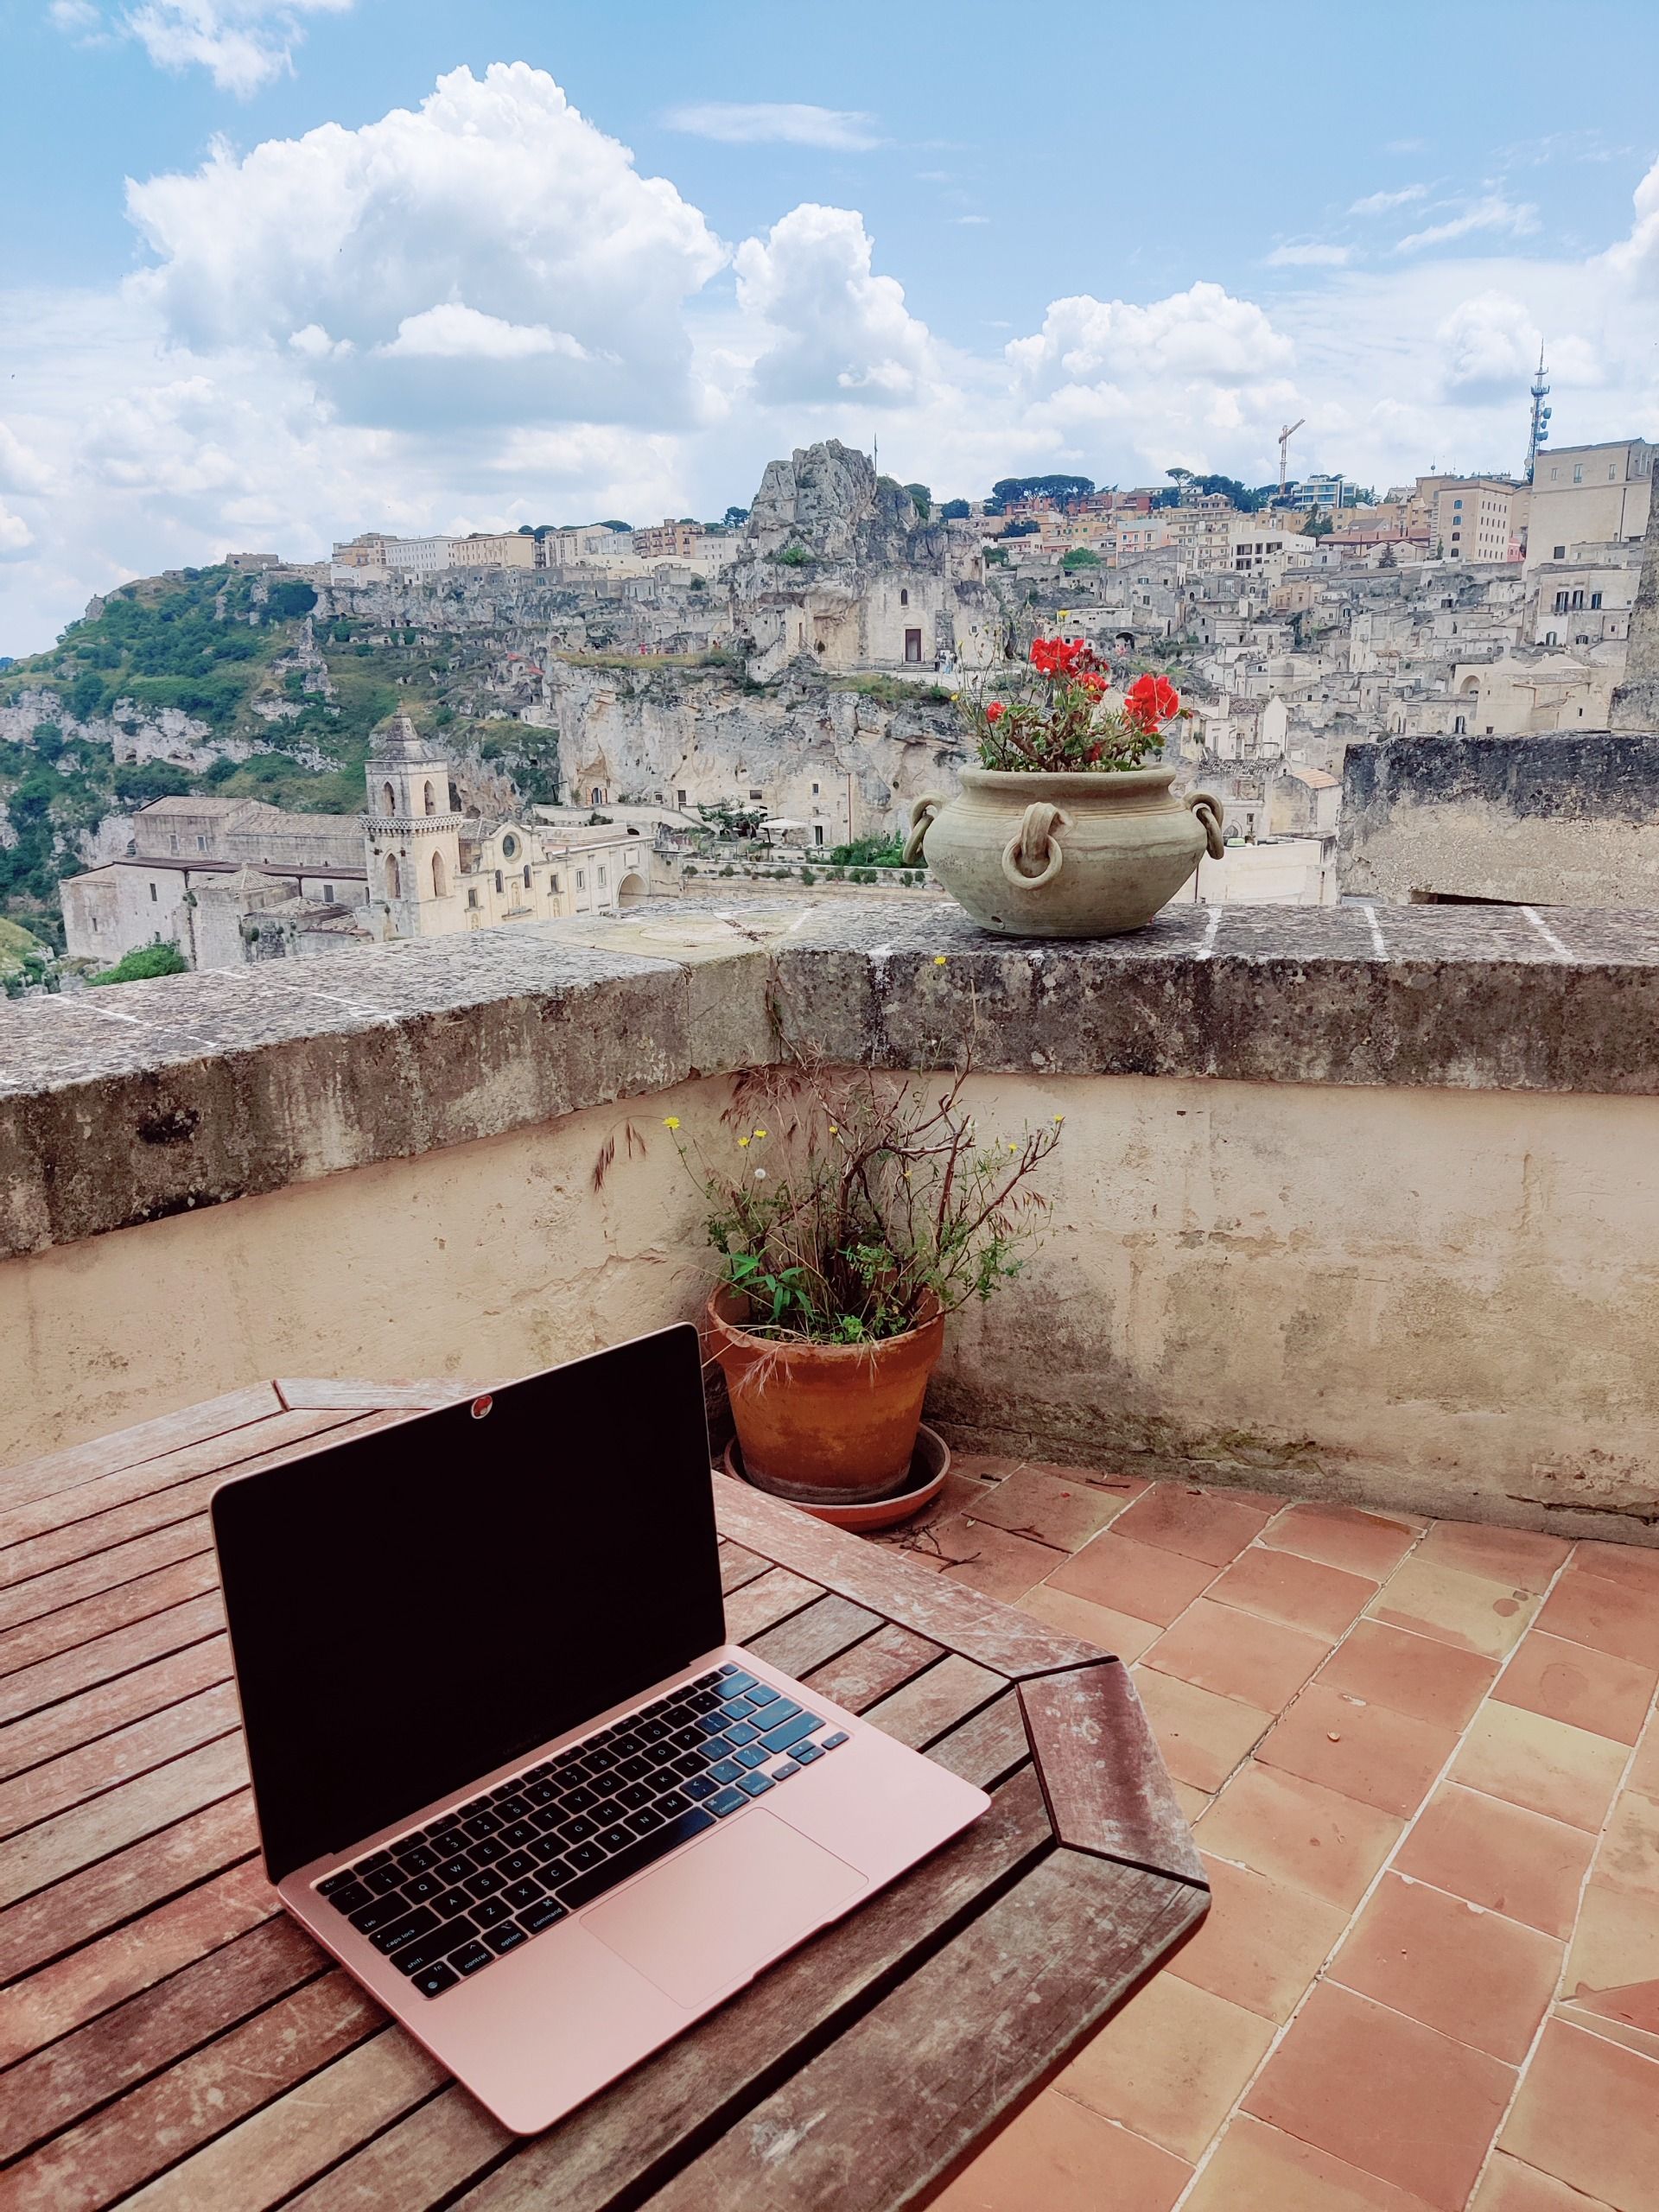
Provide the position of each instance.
(930, 1465)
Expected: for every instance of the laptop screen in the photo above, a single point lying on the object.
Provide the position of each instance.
(415, 1606)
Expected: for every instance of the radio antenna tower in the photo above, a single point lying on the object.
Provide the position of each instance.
(1541, 414)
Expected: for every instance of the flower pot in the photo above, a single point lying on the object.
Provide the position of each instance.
(1086, 855)
(825, 1422)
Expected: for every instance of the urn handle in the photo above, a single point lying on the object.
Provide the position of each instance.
(1207, 809)
(1032, 856)
(921, 821)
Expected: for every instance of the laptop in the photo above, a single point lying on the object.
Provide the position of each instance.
(507, 1768)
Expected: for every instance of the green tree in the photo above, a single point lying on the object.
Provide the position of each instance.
(956, 511)
(1079, 557)
(921, 499)
(1318, 524)
(137, 967)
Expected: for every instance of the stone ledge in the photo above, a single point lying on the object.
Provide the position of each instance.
(124, 1106)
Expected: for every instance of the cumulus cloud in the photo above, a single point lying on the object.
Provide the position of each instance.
(1204, 332)
(427, 238)
(832, 329)
(1491, 344)
(1492, 213)
(1379, 203)
(1310, 256)
(789, 122)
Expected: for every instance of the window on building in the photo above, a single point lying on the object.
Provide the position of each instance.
(152, 893)
(394, 888)
(818, 833)
(1577, 472)
(526, 875)
(904, 599)
(597, 795)
(472, 897)
(201, 844)
(388, 800)
(1554, 473)
(1457, 503)
(682, 798)
(430, 799)
(1458, 726)
(755, 794)
(1561, 602)
(500, 884)
(603, 879)
(328, 892)
(1578, 599)
(553, 883)
(1595, 599)
(582, 878)
(815, 790)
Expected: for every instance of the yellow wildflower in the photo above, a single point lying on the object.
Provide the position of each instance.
(1059, 1117)
(834, 1129)
(938, 960)
(1011, 1145)
(670, 1121)
(742, 1141)
(759, 1133)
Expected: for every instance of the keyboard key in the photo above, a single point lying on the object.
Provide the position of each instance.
(642, 1822)
(740, 1732)
(756, 1784)
(805, 1753)
(630, 1768)
(515, 1865)
(762, 1693)
(507, 1937)
(628, 1744)
(634, 1797)
(448, 1903)
(489, 1912)
(450, 1841)
(484, 1885)
(792, 1732)
(452, 1870)
(540, 1793)
(579, 1858)
(417, 1859)
(782, 1773)
(521, 1893)
(375, 1859)
(487, 1852)
(434, 1980)
(602, 1762)
(578, 1831)
(616, 1838)
(686, 1739)
(541, 1914)
(732, 1679)
(698, 1787)
(775, 1715)
(470, 1957)
(660, 1754)
(481, 1804)
(482, 1824)
(670, 1804)
(513, 1807)
(729, 1800)
(517, 1835)
(422, 1888)
(385, 1880)
(581, 1800)
(331, 1885)
(642, 1851)
(693, 1763)
(754, 1755)
(379, 1913)
(829, 1742)
(702, 1701)
(711, 1723)
(350, 1897)
(607, 1813)
(546, 1847)
(726, 1770)
(421, 1922)
(738, 1708)
(651, 1732)
(426, 1950)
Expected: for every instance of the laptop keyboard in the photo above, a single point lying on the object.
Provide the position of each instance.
(448, 1900)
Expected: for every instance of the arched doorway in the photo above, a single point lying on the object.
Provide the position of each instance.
(440, 885)
(632, 890)
(394, 885)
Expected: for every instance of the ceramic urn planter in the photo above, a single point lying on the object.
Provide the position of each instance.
(1085, 853)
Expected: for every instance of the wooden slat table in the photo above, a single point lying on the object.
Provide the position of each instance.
(171, 2038)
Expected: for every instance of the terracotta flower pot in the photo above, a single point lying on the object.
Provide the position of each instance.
(821, 1422)
(1077, 854)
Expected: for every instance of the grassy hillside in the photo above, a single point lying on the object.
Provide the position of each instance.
(201, 642)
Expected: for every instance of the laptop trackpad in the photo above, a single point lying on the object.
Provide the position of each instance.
(708, 1919)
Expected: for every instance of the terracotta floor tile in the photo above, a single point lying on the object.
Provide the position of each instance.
(1635, 1565)
(991, 1560)
(1239, 1655)
(1384, 1758)
(1298, 1833)
(1387, 2094)
(1589, 1609)
(1627, 1857)
(1169, 2065)
(1521, 1557)
(1061, 2156)
(1481, 1979)
(1256, 2169)
(1409, 1674)
(1501, 1856)
(1097, 1624)
(1588, 2113)
(1112, 1480)
(1644, 1773)
(1571, 1682)
(1528, 1759)
(1196, 1523)
(1144, 1580)
(1300, 1592)
(1612, 1967)
(1202, 1737)
(1508, 2186)
(1469, 1611)
(1193, 1802)
(1643, 2041)
(1261, 1942)
(1053, 1511)
(1341, 1535)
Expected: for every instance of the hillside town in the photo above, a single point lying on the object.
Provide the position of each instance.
(770, 695)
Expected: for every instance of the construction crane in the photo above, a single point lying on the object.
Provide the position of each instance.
(1285, 437)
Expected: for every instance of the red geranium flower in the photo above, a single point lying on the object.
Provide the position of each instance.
(1151, 701)
(995, 711)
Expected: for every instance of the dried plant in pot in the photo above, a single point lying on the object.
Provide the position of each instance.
(852, 1214)
(1068, 827)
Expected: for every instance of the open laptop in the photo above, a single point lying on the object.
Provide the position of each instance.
(506, 1766)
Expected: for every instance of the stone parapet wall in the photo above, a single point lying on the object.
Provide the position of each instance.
(1359, 1203)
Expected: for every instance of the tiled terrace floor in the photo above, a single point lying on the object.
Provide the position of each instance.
(1422, 1765)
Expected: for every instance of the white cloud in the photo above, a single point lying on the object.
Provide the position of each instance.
(1310, 256)
(831, 327)
(242, 44)
(1204, 332)
(16, 536)
(970, 222)
(1491, 345)
(763, 123)
(411, 246)
(1492, 213)
(1379, 203)
(455, 333)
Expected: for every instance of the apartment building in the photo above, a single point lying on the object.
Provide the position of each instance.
(1588, 495)
(503, 549)
(1472, 518)
(668, 540)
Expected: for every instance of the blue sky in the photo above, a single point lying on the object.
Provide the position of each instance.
(274, 281)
